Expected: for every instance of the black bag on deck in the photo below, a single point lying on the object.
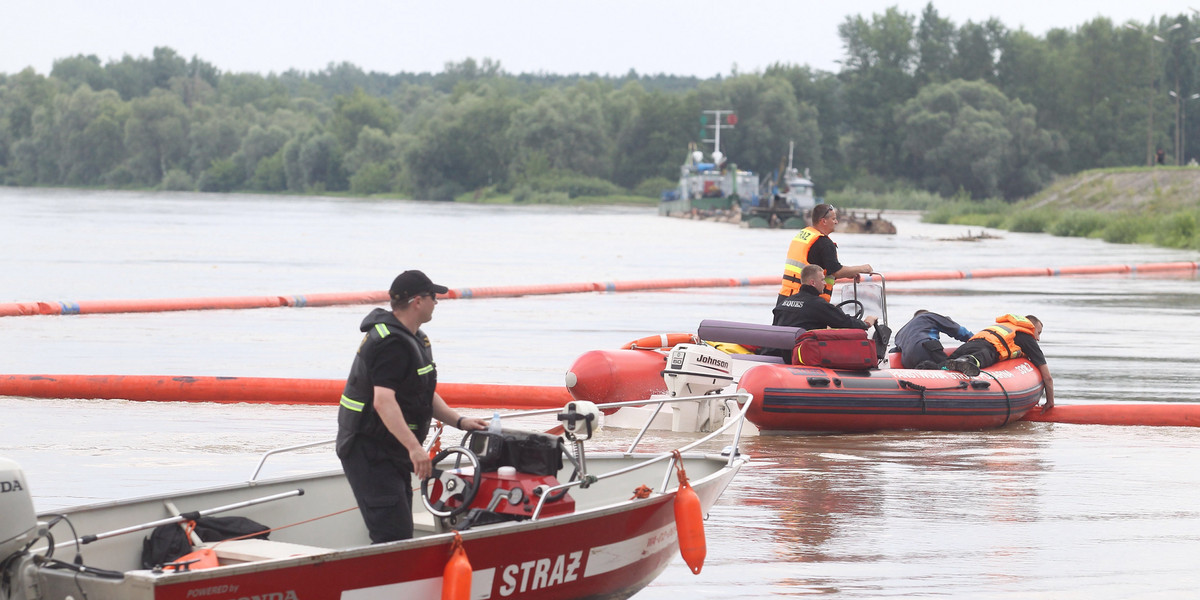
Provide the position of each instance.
(166, 543)
(529, 452)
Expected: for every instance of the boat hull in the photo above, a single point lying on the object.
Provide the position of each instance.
(611, 547)
(796, 398)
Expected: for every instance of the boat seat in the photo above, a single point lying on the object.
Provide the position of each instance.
(763, 358)
(753, 334)
(254, 549)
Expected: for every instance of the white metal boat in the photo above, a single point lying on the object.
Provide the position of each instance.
(603, 526)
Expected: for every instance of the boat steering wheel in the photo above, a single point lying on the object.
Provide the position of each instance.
(859, 308)
(452, 484)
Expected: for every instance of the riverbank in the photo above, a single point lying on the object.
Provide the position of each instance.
(1157, 206)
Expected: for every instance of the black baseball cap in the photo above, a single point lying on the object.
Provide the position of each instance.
(414, 283)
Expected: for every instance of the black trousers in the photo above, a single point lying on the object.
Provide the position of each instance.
(930, 350)
(382, 487)
(981, 350)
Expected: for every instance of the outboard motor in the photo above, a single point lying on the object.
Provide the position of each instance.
(18, 522)
(696, 370)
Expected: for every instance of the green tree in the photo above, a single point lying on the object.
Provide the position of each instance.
(354, 112)
(976, 47)
(653, 142)
(213, 139)
(935, 39)
(462, 147)
(90, 134)
(260, 143)
(156, 135)
(968, 136)
(81, 70)
(769, 119)
(878, 75)
(566, 127)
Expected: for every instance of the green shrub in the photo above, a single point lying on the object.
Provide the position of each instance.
(654, 187)
(1027, 221)
(903, 199)
(528, 195)
(372, 178)
(572, 183)
(223, 176)
(1176, 230)
(177, 180)
(1121, 231)
(270, 174)
(1078, 223)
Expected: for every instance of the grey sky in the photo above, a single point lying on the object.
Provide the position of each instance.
(695, 37)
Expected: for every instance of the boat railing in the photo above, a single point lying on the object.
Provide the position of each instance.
(734, 424)
(268, 454)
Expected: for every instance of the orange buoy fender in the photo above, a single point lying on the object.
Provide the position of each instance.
(616, 375)
(456, 578)
(689, 522)
(662, 340)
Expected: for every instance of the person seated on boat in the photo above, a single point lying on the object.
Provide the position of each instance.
(386, 406)
(812, 246)
(809, 309)
(919, 341)
(1012, 336)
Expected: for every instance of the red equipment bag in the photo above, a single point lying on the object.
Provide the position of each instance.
(835, 349)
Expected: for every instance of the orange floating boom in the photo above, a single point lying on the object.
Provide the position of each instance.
(1165, 414)
(13, 309)
(266, 390)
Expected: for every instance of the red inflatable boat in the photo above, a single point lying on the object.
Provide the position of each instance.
(800, 398)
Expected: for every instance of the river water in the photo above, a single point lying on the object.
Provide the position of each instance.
(1033, 510)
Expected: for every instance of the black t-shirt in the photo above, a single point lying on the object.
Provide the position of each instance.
(1030, 348)
(824, 253)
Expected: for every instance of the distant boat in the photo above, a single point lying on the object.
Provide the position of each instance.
(709, 190)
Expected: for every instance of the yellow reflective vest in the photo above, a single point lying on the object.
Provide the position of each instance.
(797, 259)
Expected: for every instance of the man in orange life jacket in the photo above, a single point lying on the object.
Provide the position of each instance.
(1012, 336)
(812, 246)
(386, 406)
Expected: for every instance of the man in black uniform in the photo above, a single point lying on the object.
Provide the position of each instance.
(920, 341)
(389, 399)
(806, 308)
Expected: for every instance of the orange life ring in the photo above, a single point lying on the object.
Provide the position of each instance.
(661, 341)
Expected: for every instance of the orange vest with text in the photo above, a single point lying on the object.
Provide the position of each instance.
(797, 259)
(1003, 334)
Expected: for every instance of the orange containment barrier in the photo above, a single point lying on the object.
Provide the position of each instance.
(1165, 414)
(14, 309)
(181, 388)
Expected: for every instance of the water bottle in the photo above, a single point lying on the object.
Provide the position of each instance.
(495, 426)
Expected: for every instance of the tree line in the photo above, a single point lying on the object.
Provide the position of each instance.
(919, 102)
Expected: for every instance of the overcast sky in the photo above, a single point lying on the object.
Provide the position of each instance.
(695, 37)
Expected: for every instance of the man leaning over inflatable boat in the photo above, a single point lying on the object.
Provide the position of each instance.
(1012, 336)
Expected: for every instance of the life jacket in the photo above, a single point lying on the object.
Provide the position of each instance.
(797, 259)
(1003, 335)
(357, 415)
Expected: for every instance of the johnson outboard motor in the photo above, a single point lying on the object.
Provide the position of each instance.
(696, 370)
(18, 522)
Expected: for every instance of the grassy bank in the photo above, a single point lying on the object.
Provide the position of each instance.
(1158, 206)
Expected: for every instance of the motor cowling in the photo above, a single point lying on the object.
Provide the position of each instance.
(18, 522)
(696, 370)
